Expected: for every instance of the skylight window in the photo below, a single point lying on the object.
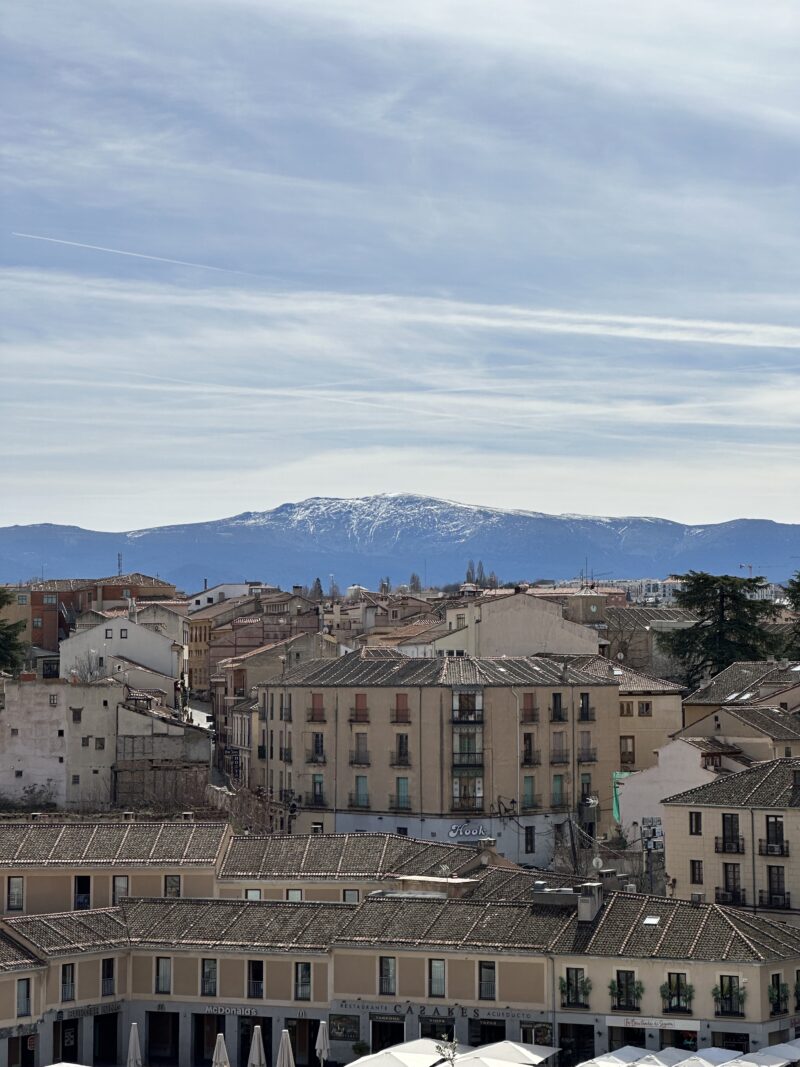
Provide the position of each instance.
(652, 920)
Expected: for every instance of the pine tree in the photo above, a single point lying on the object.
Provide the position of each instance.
(493, 581)
(11, 648)
(414, 583)
(792, 647)
(470, 572)
(729, 624)
(316, 590)
(385, 585)
(480, 576)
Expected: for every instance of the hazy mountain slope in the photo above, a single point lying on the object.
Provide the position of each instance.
(359, 540)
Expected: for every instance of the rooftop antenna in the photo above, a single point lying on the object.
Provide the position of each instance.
(119, 563)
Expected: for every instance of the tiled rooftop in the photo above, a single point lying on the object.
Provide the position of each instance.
(740, 682)
(102, 844)
(364, 668)
(775, 723)
(15, 957)
(628, 680)
(640, 617)
(766, 785)
(71, 932)
(321, 856)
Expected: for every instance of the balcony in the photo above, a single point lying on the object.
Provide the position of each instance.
(558, 714)
(67, 991)
(285, 715)
(467, 718)
(779, 1002)
(209, 987)
(676, 1005)
(587, 755)
(737, 897)
(773, 848)
(162, 986)
(531, 758)
(487, 990)
(768, 899)
(262, 751)
(729, 844)
(387, 987)
(529, 715)
(399, 802)
(255, 989)
(400, 715)
(302, 991)
(315, 756)
(531, 802)
(286, 796)
(107, 987)
(558, 802)
(468, 759)
(627, 759)
(560, 756)
(315, 715)
(359, 715)
(83, 901)
(286, 755)
(586, 715)
(399, 759)
(729, 1007)
(316, 799)
(575, 1001)
(358, 800)
(23, 1007)
(359, 757)
(625, 1004)
(467, 804)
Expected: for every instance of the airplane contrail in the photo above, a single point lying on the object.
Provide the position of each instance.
(136, 255)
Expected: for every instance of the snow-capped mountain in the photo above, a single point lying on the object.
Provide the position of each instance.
(362, 539)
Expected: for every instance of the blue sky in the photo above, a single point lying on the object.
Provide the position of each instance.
(532, 255)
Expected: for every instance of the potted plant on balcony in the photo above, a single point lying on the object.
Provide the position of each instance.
(585, 988)
(613, 991)
(638, 991)
(778, 997)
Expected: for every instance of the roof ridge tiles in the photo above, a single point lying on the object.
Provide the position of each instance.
(735, 931)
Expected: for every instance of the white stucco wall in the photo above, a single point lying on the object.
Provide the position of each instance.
(145, 647)
(679, 767)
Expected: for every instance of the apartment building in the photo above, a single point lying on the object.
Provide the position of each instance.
(745, 684)
(445, 748)
(562, 968)
(633, 637)
(89, 651)
(737, 840)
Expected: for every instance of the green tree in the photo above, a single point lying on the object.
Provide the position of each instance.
(480, 575)
(414, 583)
(729, 624)
(316, 590)
(470, 572)
(792, 647)
(11, 648)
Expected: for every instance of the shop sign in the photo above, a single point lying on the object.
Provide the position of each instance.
(18, 1031)
(214, 1009)
(93, 1009)
(344, 1027)
(429, 1011)
(644, 1023)
(468, 829)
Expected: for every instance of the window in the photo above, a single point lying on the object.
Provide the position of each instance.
(60, 733)
(436, 978)
(530, 839)
(36, 622)
(14, 893)
(317, 828)
(678, 998)
(387, 976)
(350, 896)
(645, 709)
(529, 791)
(557, 711)
(252, 894)
(461, 621)
(119, 888)
(486, 979)
(85, 741)
(107, 977)
(627, 750)
(109, 633)
(14, 732)
(22, 598)
(294, 894)
(163, 974)
(23, 997)
(123, 633)
(126, 594)
(76, 714)
(626, 998)
(67, 981)
(17, 774)
(82, 892)
(172, 885)
(695, 823)
(730, 1000)
(99, 743)
(255, 979)
(574, 989)
(49, 598)
(53, 700)
(302, 981)
(696, 872)
(208, 978)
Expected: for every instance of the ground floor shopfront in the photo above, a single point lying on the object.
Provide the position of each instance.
(183, 1034)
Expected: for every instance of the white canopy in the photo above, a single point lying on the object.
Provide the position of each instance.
(624, 1055)
(765, 1058)
(505, 1052)
(785, 1048)
(667, 1057)
(709, 1057)
(421, 1052)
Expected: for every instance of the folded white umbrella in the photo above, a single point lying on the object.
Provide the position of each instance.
(285, 1054)
(323, 1044)
(220, 1057)
(134, 1049)
(257, 1056)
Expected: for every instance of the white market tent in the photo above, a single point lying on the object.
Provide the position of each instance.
(503, 1053)
(667, 1057)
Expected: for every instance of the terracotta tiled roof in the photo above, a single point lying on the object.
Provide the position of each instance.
(102, 844)
(71, 932)
(766, 785)
(740, 682)
(14, 957)
(628, 680)
(354, 856)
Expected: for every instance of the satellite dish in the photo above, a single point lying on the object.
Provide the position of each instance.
(620, 656)
(597, 863)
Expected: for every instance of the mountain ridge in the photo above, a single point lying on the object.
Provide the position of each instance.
(359, 539)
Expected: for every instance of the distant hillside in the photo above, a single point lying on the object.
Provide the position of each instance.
(362, 539)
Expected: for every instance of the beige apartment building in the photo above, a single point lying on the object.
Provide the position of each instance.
(445, 748)
(767, 683)
(736, 840)
(561, 968)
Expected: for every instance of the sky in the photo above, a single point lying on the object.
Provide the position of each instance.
(521, 254)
